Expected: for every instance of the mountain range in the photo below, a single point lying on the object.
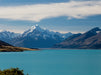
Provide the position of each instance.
(88, 40)
(35, 37)
(7, 35)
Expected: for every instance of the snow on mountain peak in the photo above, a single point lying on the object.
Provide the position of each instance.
(32, 29)
(37, 31)
(35, 27)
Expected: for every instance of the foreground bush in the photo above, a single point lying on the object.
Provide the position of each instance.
(12, 71)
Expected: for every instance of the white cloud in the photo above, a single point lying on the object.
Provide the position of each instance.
(72, 9)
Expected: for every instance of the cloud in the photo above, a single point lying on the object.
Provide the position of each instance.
(37, 12)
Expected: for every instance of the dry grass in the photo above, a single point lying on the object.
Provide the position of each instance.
(14, 49)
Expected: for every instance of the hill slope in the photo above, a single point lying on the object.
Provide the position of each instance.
(2, 43)
(5, 47)
(88, 40)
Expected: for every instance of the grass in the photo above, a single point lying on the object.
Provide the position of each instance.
(14, 49)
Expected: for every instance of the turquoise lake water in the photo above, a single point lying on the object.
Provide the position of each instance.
(54, 62)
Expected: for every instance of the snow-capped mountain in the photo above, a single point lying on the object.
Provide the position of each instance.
(36, 31)
(7, 35)
(37, 37)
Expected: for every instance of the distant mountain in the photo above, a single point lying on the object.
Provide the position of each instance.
(7, 35)
(2, 43)
(88, 40)
(36, 37)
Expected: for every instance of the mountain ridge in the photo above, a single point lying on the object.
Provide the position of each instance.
(37, 37)
(7, 35)
(88, 40)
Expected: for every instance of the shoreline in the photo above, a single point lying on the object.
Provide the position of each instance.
(15, 49)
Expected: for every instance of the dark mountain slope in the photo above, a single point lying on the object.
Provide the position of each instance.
(4, 43)
(88, 40)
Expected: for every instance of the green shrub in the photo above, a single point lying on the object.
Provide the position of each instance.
(12, 71)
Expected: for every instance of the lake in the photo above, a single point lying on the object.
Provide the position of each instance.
(54, 62)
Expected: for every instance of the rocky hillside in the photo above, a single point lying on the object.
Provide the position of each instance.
(89, 40)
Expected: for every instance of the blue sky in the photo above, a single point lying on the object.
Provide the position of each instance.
(57, 15)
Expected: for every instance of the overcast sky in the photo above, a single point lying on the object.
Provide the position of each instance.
(57, 15)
